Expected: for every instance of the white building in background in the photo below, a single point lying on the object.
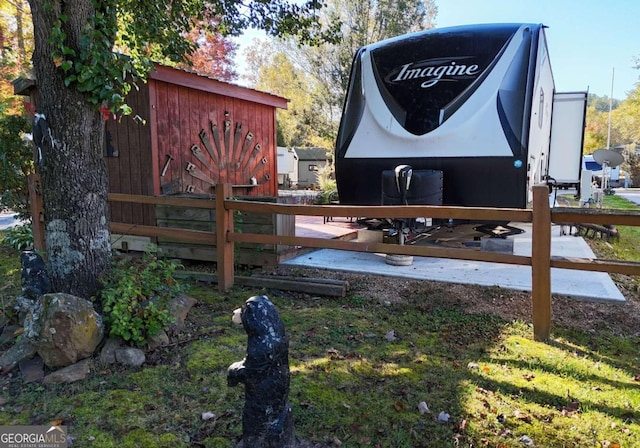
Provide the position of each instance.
(310, 161)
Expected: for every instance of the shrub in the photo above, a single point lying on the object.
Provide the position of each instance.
(19, 237)
(135, 296)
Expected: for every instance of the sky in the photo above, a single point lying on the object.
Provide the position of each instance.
(592, 43)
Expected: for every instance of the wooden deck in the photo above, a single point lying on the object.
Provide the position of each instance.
(316, 227)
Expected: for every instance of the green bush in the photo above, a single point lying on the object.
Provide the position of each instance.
(19, 237)
(135, 296)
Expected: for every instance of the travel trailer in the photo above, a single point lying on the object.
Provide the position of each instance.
(287, 167)
(474, 102)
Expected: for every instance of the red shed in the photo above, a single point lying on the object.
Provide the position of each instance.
(188, 133)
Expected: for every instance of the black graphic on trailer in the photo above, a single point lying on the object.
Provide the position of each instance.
(472, 101)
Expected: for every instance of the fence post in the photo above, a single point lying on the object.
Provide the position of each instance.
(224, 249)
(37, 214)
(541, 263)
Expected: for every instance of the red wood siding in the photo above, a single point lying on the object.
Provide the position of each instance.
(244, 147)
(182, 120)
(130, 170)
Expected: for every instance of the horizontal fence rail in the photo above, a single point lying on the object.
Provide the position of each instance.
(541, 215)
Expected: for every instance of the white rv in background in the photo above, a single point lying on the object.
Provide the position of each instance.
(474, 102)
(597, 172)
(287, 167)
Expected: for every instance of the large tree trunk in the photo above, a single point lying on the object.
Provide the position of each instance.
(74, 176)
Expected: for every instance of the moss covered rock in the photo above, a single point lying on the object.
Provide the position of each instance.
(64, 329)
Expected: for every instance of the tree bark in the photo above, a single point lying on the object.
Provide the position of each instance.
(73, 171)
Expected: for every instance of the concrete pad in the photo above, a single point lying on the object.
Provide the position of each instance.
(581, 284)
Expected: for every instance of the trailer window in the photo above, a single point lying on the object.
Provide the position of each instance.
(541, 109)
(593, 166)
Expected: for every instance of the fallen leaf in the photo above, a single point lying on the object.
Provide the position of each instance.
(208, 415)
(522, 416)
(390, 336)
(423, 408)
(526, 440)
(573, 406)
(528, 376)
(399, 406)
(571, 410)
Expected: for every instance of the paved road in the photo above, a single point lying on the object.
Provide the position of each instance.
(7, 220)
(632, 194)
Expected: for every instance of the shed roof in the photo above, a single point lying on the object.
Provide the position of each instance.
(206, 84)
(23, 85)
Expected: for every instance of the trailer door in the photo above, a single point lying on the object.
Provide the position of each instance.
(567, 137)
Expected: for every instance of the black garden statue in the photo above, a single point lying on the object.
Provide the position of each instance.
(267, 419)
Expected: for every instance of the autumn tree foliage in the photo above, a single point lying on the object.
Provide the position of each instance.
(213, 55)
(16, 153)
(16, 45)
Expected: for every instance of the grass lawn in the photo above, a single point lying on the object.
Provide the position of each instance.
(415, 372)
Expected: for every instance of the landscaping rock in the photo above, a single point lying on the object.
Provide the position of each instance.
(23, 349)
(130, 356)
(179, 308)
(158, 340)
(35, 281)
(64, 329)
(9, 333)
(108, 352)
(32, 369)
(69, 374)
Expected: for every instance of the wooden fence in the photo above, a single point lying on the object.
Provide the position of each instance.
(541, 215)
